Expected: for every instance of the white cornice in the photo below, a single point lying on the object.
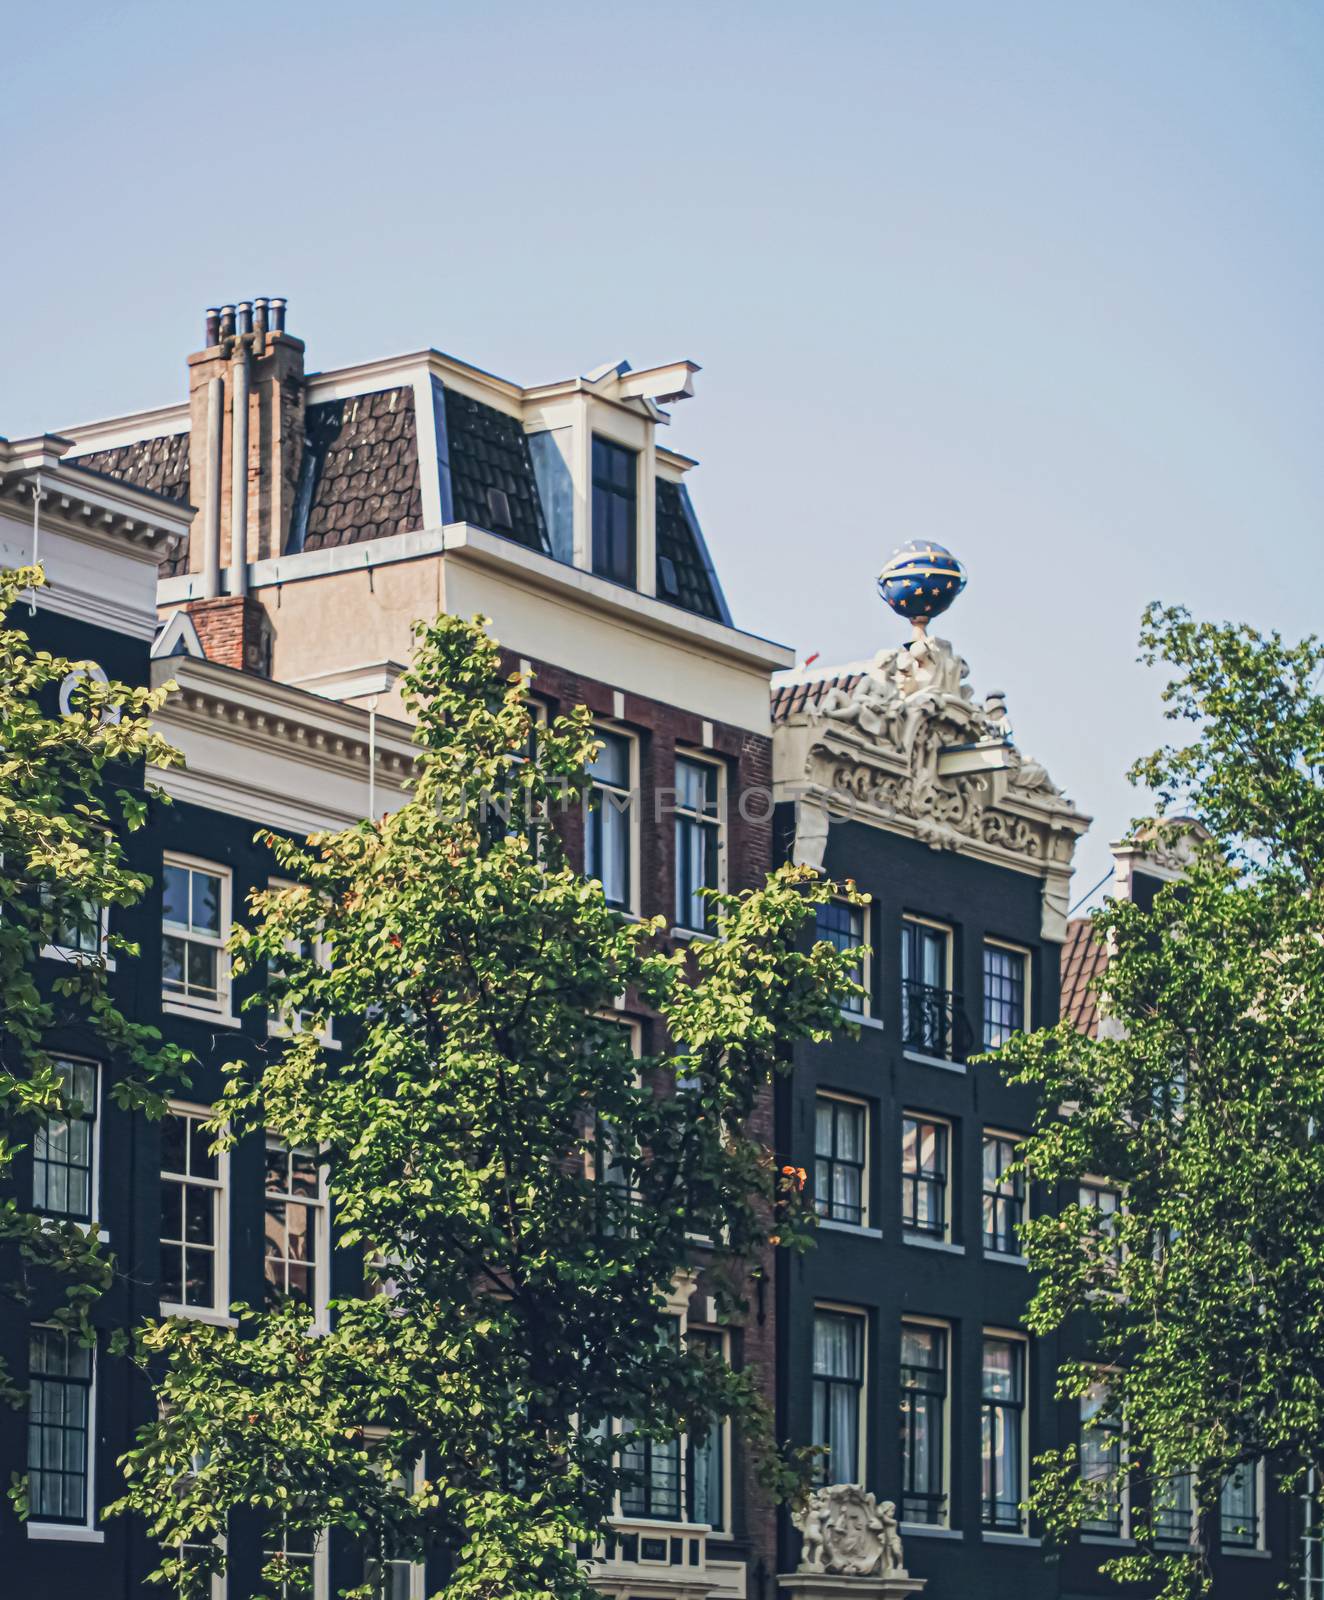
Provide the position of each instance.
(462, 542)
(278, 756)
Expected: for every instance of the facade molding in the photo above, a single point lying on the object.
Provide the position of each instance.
(909, 749)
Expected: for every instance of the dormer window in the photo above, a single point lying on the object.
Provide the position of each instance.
(615, 496)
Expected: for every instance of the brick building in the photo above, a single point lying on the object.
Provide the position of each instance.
(325, 514)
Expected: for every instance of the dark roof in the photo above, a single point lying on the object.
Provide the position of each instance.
(684, 574)
(359, 477)
(790, 698)
(491, 472)
(158, 465)
(1084, 958)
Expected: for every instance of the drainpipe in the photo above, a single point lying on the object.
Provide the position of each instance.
(239, 463)
(372, 759)
(211, 516)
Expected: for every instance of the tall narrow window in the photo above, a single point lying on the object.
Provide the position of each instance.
(698, 841)
(59, 1427)
(81, 931)
(1173, 1510)
(64, 1148)
(1104, 1200)
(195, 915)
(609, 817)
(927, 1005)
(844, 928)
(1002, 1433)
(706, 1469)
(841, 1131)
(1239, 1509)
(838, 1393)
(1005, 987)
(924, 1168)
(653, 1493)
(302, 1563)
(1101, 1463)
(1004, 1196)
(296, 1246)
(923, 1423)
(192, 1215)
(615, 475)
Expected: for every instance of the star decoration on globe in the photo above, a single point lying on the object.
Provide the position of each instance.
(920, 580)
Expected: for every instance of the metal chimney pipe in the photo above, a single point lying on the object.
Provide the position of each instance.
(239, 474)
(211, 514)
(277, 304)
(243, 322)
(227, 321)
(260, 314)
(213, 326)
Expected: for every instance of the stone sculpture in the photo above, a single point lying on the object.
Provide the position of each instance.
(846, 1532)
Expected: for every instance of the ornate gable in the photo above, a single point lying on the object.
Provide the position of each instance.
(908, 748)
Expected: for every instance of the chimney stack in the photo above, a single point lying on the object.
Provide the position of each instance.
(245, 505)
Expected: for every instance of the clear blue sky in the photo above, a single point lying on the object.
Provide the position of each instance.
(1040, 280)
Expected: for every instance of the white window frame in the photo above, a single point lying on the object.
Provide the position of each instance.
(945, 1327)
(948, 932)
(866, 1173)
(632, 814)
(321, 1562)
(86, 1531)
(840, 1308)
(1261, 1545)
(220, 1187)
(1016, 1256)
(1013, 1335)
(1027, 991)
(723, 1335)
(1102, 1535)
(321, 1210)
(219, 1010)
(911, 1234)
(55, 951)
(277, 1025)
(94, 1171)
(1095, 1181)
(700, 758)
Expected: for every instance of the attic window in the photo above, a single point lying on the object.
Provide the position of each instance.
(499, 519)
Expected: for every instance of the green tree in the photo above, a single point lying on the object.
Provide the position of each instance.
(524, 1187)
(1203, 1100)
(70, 787)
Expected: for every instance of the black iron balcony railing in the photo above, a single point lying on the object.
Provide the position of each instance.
(933, 1021)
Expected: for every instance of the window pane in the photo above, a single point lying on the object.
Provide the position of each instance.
(206, 904)
(174, 1129)
(174, 895)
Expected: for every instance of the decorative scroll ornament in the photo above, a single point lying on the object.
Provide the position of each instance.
(846, 1532)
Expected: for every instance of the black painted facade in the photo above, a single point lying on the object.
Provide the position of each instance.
(887, 1275)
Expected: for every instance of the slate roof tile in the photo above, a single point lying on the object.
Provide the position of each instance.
(160, 464)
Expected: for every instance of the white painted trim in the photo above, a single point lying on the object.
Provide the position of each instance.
(466, 542)
(216, 1314)
(220, 1009)
(930, 1530)
(920, 1059)
(68, 1532)
(923, 1242)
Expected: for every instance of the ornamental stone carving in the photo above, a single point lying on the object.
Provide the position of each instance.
(909, 748)
(846, 1532)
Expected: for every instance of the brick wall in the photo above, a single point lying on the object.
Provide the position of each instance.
(662, 729)
(234, 631)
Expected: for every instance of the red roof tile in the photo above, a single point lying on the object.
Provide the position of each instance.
(1083, 961)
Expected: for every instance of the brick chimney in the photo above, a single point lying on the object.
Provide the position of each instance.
(246, 432)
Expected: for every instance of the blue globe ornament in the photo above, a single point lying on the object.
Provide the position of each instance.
(920, 580)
